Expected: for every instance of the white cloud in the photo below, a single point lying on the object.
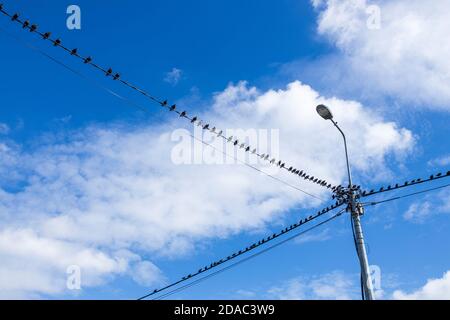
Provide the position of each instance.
(146, 273)
(418, 212)
(173, 76)
(431, 205)
(104, 197)
(406, 58)
(34, 264)
(314, 237)
(441, 161)
(434, 289)
(4, 128)
(331, 286)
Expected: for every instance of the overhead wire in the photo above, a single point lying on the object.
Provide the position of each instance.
(373, 203)
(246, 249)
(88, 60)
(407, 183)
(141, 108)
(273, 246)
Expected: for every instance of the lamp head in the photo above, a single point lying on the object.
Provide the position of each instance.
(324, 112)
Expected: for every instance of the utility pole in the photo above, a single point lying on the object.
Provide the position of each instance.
(356, 210)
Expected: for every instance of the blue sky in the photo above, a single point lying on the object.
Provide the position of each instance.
(88, 180)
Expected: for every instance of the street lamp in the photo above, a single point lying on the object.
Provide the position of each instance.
(356, 211)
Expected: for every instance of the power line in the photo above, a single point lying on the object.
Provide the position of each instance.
(135, 105)
(407, 183)
(243, 260)
(88, 60)
(246, 250)
(406, 195)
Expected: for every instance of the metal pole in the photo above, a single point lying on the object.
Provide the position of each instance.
(363, 260)
(346, 153)
(356, 211)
